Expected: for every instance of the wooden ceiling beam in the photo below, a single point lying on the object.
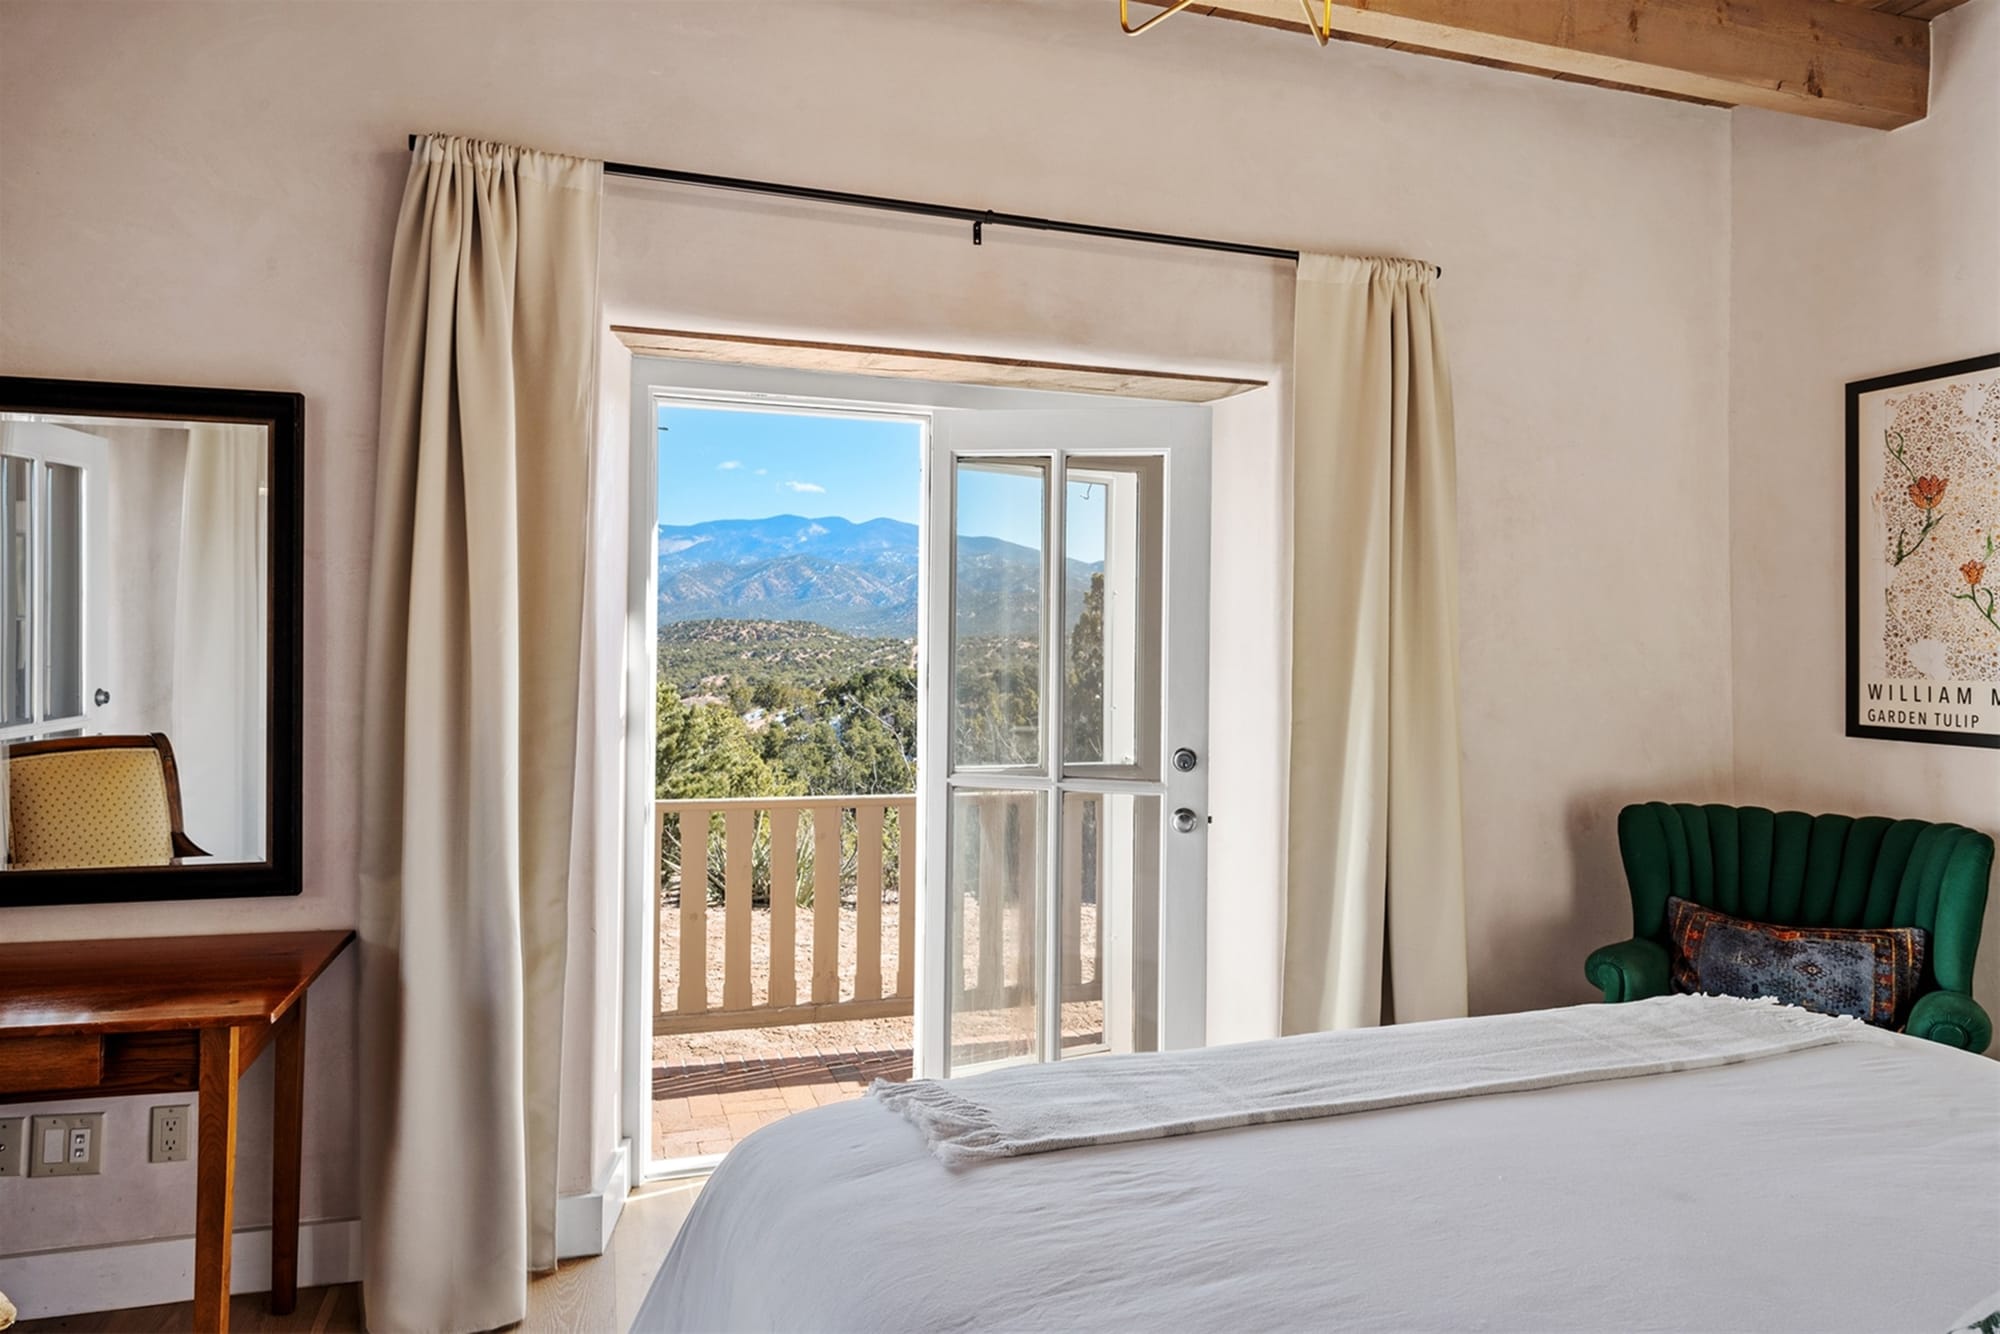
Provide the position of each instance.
(1821, 58)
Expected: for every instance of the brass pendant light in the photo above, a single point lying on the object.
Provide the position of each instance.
(1320, 26)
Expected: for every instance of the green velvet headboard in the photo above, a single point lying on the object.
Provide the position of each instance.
(1805, 870)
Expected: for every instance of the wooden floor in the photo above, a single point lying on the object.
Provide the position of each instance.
(322, 1310)
(600, 1295)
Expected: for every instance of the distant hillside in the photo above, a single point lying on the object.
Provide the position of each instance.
(734, 541)
(795, 652)
(860, 578)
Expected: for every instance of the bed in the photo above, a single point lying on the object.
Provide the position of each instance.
(1848, 1186)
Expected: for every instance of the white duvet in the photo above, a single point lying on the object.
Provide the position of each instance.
(1846, 1187)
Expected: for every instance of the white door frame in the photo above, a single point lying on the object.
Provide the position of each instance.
(48, 443)
(1179, 436)
(1183, 1017)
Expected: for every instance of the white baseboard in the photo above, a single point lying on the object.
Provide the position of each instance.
(149, 1273)
(584, 1222)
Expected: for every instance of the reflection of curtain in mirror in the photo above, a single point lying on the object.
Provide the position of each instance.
(219, 639)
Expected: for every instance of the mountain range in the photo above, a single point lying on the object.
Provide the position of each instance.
(860, 578)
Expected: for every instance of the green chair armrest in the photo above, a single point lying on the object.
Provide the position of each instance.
(1953, 1018)
(1628, 971)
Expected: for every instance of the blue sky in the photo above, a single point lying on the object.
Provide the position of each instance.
(723, 463)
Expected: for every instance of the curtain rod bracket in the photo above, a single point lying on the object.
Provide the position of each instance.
(978, 231)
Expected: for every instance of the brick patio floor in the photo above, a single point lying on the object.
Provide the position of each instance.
(707, 1107)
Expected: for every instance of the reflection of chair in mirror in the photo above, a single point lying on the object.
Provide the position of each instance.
(94, 801)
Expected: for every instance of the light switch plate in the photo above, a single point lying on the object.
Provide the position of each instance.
(13, 1146)
(74, 1141)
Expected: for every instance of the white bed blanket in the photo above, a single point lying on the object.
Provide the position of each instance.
(1850, 1187)
(1028, 1109)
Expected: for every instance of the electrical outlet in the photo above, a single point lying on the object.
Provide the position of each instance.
(170, 1135)
(13, 1146)
(69, 1145)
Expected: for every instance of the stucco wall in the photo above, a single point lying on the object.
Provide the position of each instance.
(205, 194)
(1856, 254)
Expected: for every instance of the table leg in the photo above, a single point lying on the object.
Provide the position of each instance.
(215, 1181)
(288, 1108)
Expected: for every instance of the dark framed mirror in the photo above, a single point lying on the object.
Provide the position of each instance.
(151, 561)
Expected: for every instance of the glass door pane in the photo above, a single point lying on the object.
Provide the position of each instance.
(1111, 616)
(998, 578)
(1108, 911)
(997, 871)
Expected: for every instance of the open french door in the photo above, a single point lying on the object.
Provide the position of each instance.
(54, 530)
(1063, 830)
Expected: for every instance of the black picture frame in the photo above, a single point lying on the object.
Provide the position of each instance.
(1856, 391)
(283, 414)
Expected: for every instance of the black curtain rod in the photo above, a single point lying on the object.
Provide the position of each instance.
(980, 218)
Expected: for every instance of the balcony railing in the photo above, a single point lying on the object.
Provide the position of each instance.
(808, 906)
(794, 863)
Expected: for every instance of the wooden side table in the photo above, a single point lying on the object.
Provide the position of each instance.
(176, 1014)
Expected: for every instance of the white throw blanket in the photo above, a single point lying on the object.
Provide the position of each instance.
(1112, 1099)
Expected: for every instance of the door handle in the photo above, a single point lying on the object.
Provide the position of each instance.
(1186, 820)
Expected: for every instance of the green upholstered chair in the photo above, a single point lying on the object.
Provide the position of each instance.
(1808, 870)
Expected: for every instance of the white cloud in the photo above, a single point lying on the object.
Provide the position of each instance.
(763, 471)
(728, 465)
(812, 487)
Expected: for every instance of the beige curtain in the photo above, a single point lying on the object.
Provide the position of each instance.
(470, 725)
(1375, 878)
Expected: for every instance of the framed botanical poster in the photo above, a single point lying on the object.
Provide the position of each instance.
(1923, 555)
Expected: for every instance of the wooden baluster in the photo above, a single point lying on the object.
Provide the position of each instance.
(906, 898)
(1070, 892)
(783, 989)
(1028, 870)
(693, 997)
(826, 904)
(1144, 906)
(990, 988)
(660, 905)
(1106, 892)
(867, 900)
(739, 824)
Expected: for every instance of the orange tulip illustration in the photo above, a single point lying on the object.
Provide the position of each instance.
(1927, 492)
(1984, 600)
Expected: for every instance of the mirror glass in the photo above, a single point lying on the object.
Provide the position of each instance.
(134, 641)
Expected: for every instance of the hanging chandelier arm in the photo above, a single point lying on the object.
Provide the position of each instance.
(1125, 18)
(1322, 27)
(1319, 25)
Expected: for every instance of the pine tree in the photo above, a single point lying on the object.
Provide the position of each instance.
(1083, 678)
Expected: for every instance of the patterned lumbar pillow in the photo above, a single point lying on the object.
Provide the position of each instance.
(1870, 974)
